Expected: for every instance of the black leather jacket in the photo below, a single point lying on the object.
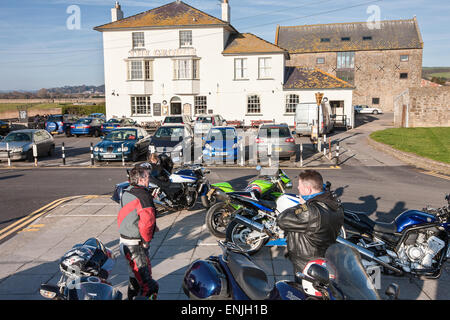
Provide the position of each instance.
(311, 228)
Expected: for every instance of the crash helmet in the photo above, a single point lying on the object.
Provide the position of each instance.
(307, 285)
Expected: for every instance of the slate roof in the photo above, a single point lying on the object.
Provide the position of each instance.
(176, 13)
(312, 78)
(249, 43)
(394, 34)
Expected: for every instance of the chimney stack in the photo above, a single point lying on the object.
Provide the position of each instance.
(116, 12)
(225, 11)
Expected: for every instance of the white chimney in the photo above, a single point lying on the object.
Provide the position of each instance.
(116, 12)
(225, 11)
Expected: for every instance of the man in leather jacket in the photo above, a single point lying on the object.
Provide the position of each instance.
(314, 225)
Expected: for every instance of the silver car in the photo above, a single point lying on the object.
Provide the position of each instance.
(367, 109)
(276, 140)
(20, 144)
(204, 123)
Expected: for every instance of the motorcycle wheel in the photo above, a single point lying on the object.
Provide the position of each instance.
(217, 219)
(239, 235)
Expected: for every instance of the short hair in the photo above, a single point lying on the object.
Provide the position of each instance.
(138, 173)
(313, 178)
(152, 156)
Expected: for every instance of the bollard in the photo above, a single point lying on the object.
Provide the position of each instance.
(337, 153)
(329, 149)
(9, 154)
(123, 157)
(35, 155)
(301, 154)
(241, 147)
(324, 145)
(92, 154)
(319, 144)
(269, 153)
(63, 153)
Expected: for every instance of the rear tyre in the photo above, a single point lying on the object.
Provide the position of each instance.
(217, 219)
(375, 112)
(249, 241)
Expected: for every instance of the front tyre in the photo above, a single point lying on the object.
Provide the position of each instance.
(217, 219)
(248, 240)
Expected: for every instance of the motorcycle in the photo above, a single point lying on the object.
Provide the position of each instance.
(265, 187)
(85, 269)
(415, 243)
(188, 182)
(255, 225)
(234, 276)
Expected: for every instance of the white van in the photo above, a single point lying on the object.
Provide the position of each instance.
(306, 118)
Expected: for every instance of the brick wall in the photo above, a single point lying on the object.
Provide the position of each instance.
(376, 73)
(423, 107)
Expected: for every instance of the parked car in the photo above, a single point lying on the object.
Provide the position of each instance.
(20, 144)
(206, 122)
(131, 142)
(60, 123)
(221, 144)
(98, 115)
(117, 123)
(306, 119)
(172, 139)
(4, 128)
(278, 137)
(178, 120)
(87, 126)
(367, 109)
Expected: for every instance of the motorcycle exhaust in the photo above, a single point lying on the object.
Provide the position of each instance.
(249, 223)
(368, 254)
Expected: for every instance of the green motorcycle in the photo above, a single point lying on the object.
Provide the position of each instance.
(221, 213)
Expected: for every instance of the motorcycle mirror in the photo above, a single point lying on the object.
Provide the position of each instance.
(258, 168)
(393, 291)
(49, 291)
(320, 274)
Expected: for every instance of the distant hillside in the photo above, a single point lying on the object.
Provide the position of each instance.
(439, 72)
(84, 91)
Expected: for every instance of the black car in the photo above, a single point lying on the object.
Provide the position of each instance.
(4, 128)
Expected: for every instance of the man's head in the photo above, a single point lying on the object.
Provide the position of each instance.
(152, 158)
(139, 177)
(310, 182)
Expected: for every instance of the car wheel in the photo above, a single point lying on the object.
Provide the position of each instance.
(68, 133)
(96, 133)
(375, 112)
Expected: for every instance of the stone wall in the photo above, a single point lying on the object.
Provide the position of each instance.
(376, 73)
(423, 107)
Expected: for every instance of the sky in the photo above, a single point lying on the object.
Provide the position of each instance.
(42, 46)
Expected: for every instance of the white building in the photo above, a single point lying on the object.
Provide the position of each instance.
(176, 59)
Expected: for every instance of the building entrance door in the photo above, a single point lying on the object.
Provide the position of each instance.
(175, 106)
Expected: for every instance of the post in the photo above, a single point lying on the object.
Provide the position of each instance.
(123, 157)
(337, 153)
(269, 153)
(92, 154)
(301, 154)
(324, 145)
(63, 154)
(241, 147)
(35, 155)
(9, 154)
(319, 143)
(329, 149)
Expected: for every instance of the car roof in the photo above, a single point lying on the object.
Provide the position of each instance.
(223, 127)
(27, 130)
(175, 125)
(122, 128)
(266, 125)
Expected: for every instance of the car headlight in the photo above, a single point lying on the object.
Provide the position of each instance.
(17, 150)
(101, 149)
(124, 149)
(208, 146)
(96, 149)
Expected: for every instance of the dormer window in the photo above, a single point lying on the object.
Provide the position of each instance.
(185, 38)
(324, 39)
(138, 40)
(345, 39)
(367, 38)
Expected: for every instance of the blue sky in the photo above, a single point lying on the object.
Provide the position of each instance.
(37, 50)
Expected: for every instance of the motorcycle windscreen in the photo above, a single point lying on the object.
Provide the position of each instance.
(94, 291)
(350, 276)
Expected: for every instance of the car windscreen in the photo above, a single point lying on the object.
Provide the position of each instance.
(18, 136)
(221, 134)
(173, 120)
(55, 118)
(113, 121)
(169, 132)
(84, 121)
(204, 120)
(121, 135)
(273, 132)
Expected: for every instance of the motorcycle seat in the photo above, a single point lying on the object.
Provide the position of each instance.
(250, 277)
(376, 226)
(268, 204)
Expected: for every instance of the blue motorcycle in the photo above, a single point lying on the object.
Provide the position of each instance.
(234, 276)
(415, 243)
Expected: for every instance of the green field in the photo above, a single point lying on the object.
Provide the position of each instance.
(42, 106)
(432, 143)
(65, 107)
(445, 75)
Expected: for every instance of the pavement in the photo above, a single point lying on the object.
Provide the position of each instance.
(31, 256)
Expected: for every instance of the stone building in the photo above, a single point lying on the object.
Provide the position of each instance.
(381, 61)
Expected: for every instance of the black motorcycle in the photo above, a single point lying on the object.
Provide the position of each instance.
(415, 243)
(85, 270)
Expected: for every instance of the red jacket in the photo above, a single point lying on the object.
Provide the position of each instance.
(137, 217)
